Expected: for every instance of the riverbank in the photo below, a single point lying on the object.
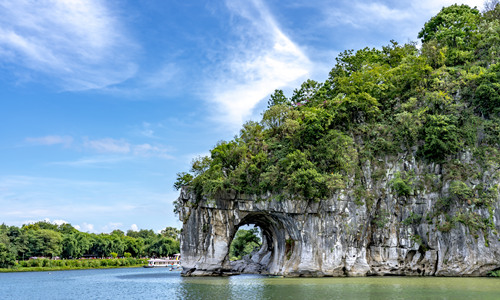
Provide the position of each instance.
(41, 265)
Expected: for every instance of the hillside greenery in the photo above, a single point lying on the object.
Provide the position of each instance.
(432, 101)
(46, 240)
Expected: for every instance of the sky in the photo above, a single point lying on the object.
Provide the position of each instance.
(103, 102)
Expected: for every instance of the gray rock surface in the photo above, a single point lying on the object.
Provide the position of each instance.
(352, 235)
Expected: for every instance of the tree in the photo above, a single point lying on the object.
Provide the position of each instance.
(118, 232)
(44, 242)
(162, 246)
(7, 256)
(244, 242)
(452, 26)
(75, 245)
(183, 179)
(171, 232)
(134, 246)
(441, 137)
(277, 98)
(492, 9)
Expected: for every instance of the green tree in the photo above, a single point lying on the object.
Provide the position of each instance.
(75, 245)
(171, 232)
(183, 179)
(491, 9)
(453, 27)
(441, 137)
(244, 242)
(277, 98)
(44, 242)
(7, 256)
(162, 246)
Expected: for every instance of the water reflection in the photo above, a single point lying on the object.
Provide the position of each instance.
(258, 287)
(162, 284)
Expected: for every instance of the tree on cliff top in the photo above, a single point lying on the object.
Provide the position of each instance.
(431, 102)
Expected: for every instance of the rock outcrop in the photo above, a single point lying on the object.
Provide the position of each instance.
(373, 227)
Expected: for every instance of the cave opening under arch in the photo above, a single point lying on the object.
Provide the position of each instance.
(276, 244)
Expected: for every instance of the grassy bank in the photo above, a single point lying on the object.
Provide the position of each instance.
(74, 264)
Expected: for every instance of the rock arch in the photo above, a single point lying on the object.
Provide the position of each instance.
(270, 257)
(340, 236)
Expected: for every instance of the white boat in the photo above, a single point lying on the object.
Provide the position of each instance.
(165, 263)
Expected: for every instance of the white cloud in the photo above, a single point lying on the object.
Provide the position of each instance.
(111, 226)
(147, 150)
(108, 145)
(363, 14)
(78, 43)
(360, 14)
(59, 222)
(55, 222)
(99, 161)
(114, 146)
(162, 77)
(147, 130)
(264, 60)
(50, 140)
(434, 6)
(134, 227)
(85, 227)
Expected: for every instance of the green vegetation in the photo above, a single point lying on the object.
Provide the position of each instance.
(45, 264)
(432, 103)
(401, 185)
(495, 273)
(45, 240)
(244, 242)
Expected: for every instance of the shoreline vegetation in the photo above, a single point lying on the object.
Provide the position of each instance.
(45, 264)
(46, 245)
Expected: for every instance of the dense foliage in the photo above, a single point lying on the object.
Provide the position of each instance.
(432, 102)
(43, 239)
(244, 242)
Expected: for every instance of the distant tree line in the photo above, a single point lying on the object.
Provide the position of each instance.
(44, 239)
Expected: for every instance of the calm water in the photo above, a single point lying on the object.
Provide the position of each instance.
(140, 283)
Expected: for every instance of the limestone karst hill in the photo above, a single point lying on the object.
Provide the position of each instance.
(390, 166)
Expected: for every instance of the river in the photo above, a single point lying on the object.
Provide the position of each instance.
(158, 283)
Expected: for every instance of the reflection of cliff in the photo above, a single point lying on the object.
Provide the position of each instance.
(412, 220)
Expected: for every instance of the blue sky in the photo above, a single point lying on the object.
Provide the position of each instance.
(103, 102)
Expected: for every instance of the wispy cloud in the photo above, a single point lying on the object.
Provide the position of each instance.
(97, 161)
(55, 222)
(111, 226)
(79, 44)
(433, 6)
(263, 60)
(108, 145)
(50, 140)
(85, 227)
(121, 149)
(85, 203)
(363, 14)
(148, 150)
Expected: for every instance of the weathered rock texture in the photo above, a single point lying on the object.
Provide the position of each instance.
(355, 233)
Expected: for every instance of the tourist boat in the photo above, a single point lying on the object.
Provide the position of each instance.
(173, 264)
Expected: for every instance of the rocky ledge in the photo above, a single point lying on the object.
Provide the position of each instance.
(436, 225)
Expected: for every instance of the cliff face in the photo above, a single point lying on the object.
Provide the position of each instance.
(408, 218)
